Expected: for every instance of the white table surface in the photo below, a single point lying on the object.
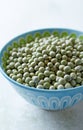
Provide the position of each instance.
(19, 16)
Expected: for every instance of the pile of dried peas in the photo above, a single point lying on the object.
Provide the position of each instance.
(49, 62)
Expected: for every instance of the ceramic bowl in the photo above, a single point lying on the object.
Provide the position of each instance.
(46, 99)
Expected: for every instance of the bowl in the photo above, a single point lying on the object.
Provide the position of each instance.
(43, 98)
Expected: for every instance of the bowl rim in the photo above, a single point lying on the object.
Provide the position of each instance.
(28, 87)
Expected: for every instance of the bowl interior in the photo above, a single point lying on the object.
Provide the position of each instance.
(61, 31)
(44, 98)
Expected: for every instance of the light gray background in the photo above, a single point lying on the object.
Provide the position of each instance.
(19, 16)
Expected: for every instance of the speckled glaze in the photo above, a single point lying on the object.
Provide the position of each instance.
(46, 99)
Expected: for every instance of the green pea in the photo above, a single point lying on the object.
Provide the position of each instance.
(20, 59)
(15, 60)
(46, 79)
(63, 52)
(30, 60)
(36, 68)
(38, 54)
(14, 77)
(35, 79)
(27, 50)
(11, 75)
(31, 83)
(77, 85)
(82, 83)
(59, 73)
(31, 69)
(79, 68)
(56, 85)
(73, 59)
(80, 48)
(14, 71)
(41, 64)
(64, 62)
(24, 60)
(68, 85)
(36, 60)
(11, 65)
(28, 79)
(79, 74)
(32, 64)
(63, 46)
(19, 54)
(53, 60)
(41, 75)
(24, 65)
(62, 81)
(41, 82)
(60, 86)
(73, 83)
(52, 87)
(58, 56)
(26, 74)
(78, 61)
(67, 77)
(25, 69)
(46, 73)
(61, 67)
(46, 85)
(19, 75)
(64, 57)
(17, 64)
(8, 71)
(52, 77)
(52, 53)
(31, 74)
(71, 64)
(50, 64)
(40, 87)
(73, 75)
(20, 71)
(67, 69)
(14, 54)
(41, 69)
(14, 49)
(40, 58)
(53, 48)
(45, 56)
(78, 79)
(44, 51)
(57, 78)
(19, 80)
(57, 64)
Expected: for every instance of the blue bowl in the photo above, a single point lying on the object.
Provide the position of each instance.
(46, 99)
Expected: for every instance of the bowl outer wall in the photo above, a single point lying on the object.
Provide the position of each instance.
(48, 93)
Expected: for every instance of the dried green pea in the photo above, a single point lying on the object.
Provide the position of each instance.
(19, 80)
(46, 73)
(46, 85)
(8, 71)
(68, 85)
(60, 86)
(41, 75)
(59, 73)
(52, 77)
(78, 79)
(40, 86)
(67, 69)
(27, 80)
(62, 81)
